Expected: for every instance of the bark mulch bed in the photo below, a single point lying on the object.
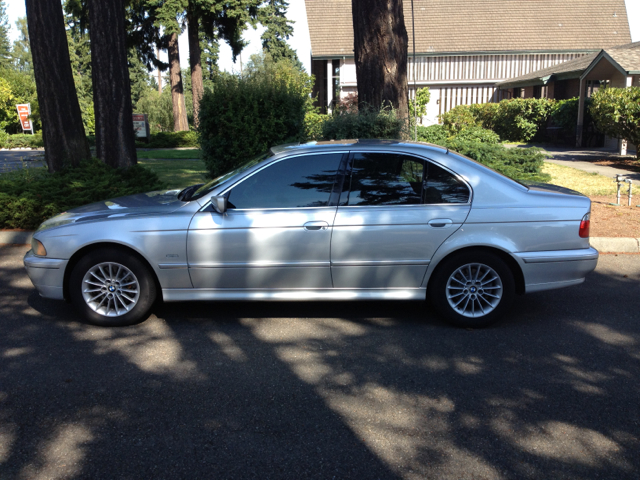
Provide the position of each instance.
(610, 221)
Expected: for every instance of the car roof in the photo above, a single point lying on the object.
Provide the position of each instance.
(340, 144)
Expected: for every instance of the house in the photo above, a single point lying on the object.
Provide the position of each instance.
(464, 48)
(617, 67)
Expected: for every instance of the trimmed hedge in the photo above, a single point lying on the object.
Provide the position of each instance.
(30, 196)
(21, 140)
(170, 140)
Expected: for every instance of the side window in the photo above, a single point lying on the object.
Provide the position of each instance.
(305, 181)
(443, 187)
(386, 179)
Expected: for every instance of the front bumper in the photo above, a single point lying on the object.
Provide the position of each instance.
(556, 269)
(46, 274)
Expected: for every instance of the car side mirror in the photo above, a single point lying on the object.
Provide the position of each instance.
(219, 204)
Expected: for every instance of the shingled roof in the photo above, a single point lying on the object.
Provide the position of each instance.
(627, 56)
(456, 26)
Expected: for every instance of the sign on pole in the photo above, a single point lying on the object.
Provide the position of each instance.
(141, 126)
(24, 112)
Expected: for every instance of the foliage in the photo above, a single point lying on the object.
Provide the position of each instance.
(616, 112)
(522, 164)
(477, 134)
(5, 45)
(8, 113)
(313, 122)
(517, 119)
(437, 134)
(422, 100)
(171, 140)
(348, 104)
(30, 196)
(383, 124)
(23, 90)
(273, 16)
(159, 108)
(242, 117)
(22, 140)
(80, 57)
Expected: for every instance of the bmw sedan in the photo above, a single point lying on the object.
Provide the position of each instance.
(350, 220)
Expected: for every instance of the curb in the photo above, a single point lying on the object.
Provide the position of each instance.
(602, 244)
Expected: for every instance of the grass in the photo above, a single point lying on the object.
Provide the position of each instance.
(177, 173)
(169, 154)
(589, 184)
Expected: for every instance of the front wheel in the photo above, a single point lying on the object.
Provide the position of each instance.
(473, 289)
(112, 287)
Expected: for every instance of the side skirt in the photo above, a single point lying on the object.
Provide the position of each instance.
(187, 294)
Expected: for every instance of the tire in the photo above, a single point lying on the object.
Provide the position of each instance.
(111, 287)
(473, 289)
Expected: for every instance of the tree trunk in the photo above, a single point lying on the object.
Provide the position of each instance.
(62, 128)
(180, 123)
(197, 87)
(159, 72)
(115, 139)
(380, 48)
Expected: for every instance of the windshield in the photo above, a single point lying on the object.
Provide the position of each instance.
(207, 187)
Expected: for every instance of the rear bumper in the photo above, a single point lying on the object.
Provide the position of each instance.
(46, 274)
(556, 269)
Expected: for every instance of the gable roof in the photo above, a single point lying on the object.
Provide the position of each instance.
(627, 56)
(465, 26)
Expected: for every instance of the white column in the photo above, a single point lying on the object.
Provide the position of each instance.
(622, 143)
(329, 82)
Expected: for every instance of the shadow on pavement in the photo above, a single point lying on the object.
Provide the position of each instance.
(323, 390)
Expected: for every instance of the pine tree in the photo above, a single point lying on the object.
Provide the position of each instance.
(5, 44)
(273, 16)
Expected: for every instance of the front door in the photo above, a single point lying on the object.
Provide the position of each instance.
(395, 214)
(276, 233)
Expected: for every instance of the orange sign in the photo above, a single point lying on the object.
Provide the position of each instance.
(24, 112)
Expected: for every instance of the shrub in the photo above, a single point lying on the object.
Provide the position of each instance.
(437, 134)
(477, 134)
(371, 124)
(171, 140)
(22, 140)
(522, 164)
(313, 122)
(459, 118)
(242, 117)
(30, 196)
(419, 110)
(616, 112)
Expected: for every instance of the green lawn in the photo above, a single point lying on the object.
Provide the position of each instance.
(169, 154)
(177, 173)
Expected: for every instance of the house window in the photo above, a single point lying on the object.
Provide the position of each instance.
(517, 92)
(336, 81)
(537, 91)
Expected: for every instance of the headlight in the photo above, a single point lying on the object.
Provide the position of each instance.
(38, 248)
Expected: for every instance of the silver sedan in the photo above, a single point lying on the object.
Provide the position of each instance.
(352, 220)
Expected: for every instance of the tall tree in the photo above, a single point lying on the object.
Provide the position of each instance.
(115, 140)
(63, 131)
(180, 122)
(380, 50)
(273, 16)
(5, 44)
(197, 85)
(20, 51)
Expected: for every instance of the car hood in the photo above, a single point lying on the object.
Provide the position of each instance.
(151, 203)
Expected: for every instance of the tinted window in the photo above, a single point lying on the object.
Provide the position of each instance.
(386, 179)
(298, 182)
(442, 187)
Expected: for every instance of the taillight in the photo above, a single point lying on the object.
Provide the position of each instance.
(584, 225)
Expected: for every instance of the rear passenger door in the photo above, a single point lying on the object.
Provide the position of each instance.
(395, 211)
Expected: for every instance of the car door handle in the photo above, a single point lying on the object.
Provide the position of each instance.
(316, 226)
(440, 222)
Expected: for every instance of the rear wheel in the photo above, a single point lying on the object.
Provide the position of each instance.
(111, 287)
(472, 289)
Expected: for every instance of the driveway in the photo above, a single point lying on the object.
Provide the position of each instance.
(324, 390)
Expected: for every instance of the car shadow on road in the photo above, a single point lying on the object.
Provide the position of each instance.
(323, 390)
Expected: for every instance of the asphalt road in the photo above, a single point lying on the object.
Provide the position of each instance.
(16, 159)
(363, 390)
